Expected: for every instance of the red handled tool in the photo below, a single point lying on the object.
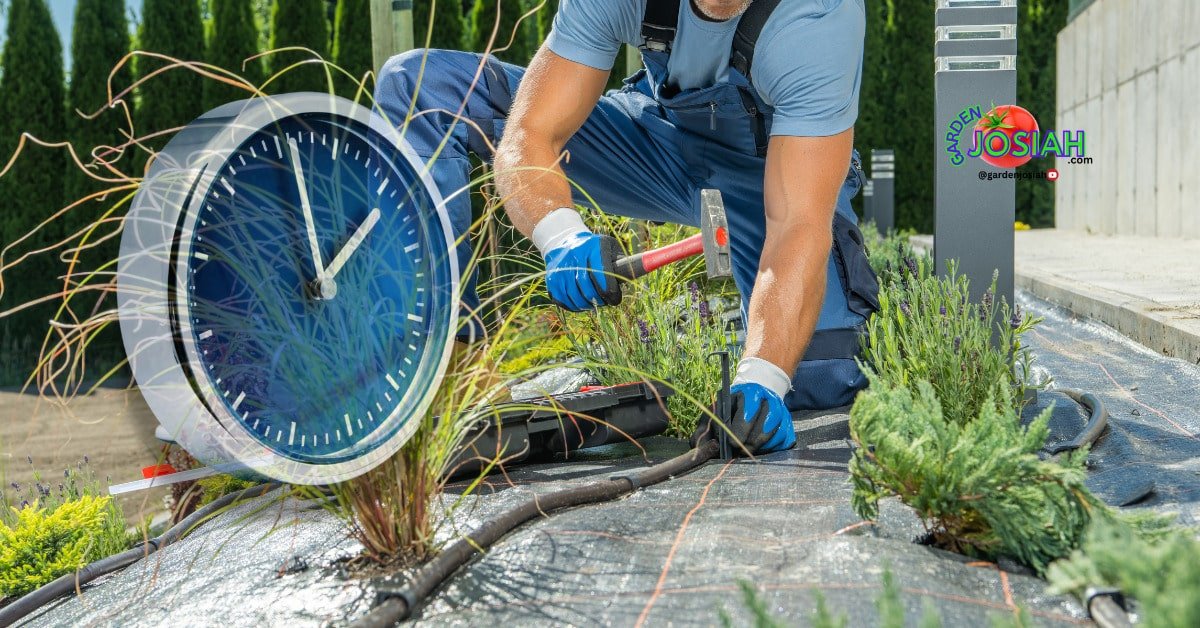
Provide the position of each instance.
(712, 242)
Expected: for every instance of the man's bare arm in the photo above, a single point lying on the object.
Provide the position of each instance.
(803, 178)
(555, 98)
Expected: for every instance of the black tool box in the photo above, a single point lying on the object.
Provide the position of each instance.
(532, 429)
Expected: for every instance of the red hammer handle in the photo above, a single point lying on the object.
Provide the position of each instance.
(638, 265)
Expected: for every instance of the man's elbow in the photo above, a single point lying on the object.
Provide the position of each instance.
(804, 235)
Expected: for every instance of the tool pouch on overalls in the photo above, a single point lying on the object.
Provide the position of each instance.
(828, 376)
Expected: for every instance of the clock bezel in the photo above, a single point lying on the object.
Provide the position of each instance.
(208, 163)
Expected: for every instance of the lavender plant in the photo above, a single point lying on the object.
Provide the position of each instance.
(927, 329)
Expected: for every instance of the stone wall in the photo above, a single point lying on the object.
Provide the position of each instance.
(1129, 75)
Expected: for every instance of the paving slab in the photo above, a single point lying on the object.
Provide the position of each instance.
(1146, 288)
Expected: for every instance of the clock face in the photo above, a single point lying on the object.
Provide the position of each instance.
(313, 289)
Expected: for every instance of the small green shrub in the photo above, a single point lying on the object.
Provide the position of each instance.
(1162, 574)
(216, 486)
(76, 483)
(43, 544)
(978, 485)
(927, 329)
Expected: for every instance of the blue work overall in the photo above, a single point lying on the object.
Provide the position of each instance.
(646, 153)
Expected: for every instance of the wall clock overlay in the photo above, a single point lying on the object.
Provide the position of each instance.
(287, 288)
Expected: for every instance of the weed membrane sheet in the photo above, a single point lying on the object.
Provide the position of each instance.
(673, 553)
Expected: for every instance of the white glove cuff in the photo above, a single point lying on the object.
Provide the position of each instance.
(556, 228)
(761, 372)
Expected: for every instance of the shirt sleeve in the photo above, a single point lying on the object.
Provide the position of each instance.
(810, 70)
(591, 32)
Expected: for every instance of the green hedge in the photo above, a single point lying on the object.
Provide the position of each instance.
(32, 99)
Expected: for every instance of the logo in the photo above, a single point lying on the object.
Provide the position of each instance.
(1008, 136)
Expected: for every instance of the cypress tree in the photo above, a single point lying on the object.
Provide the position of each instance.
(545, 18)
(352, 43)
(1038, 24)
(32, 97)
(175, 97)
(232, 39)
(299, 23)
(100, 39)
(449, 27)
(483, 24)
(906, 125)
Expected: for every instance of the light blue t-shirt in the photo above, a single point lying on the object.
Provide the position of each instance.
(807, 64)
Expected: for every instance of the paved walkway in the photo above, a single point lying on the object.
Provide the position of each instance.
(1146, 288)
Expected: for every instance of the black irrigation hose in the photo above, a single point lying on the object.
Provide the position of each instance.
(396, 605)
(1097, 421)
(67, 584)
(1106, 607)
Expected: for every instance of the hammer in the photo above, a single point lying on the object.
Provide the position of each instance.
(712, 241)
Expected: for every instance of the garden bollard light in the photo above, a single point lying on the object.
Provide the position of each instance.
(975, 203)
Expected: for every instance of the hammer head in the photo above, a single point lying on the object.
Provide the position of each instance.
(715, 230)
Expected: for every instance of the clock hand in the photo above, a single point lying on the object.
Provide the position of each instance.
(306, 208)
(352, 245)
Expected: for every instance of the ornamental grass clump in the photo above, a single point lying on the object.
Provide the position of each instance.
(396, 510)
(663, 331)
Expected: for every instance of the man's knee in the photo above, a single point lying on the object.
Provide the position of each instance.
(400, 75)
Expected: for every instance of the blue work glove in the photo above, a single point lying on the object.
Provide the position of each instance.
(579, 272)
(759, 420)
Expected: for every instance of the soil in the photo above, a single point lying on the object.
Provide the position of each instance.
(112, 427)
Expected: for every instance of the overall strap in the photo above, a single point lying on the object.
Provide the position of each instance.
(659, 24)
(748, 30)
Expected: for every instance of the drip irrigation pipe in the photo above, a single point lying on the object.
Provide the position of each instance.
(69, 583)
(397, 604)
(1097, 422)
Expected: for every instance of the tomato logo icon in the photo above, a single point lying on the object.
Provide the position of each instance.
(1009, 134)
